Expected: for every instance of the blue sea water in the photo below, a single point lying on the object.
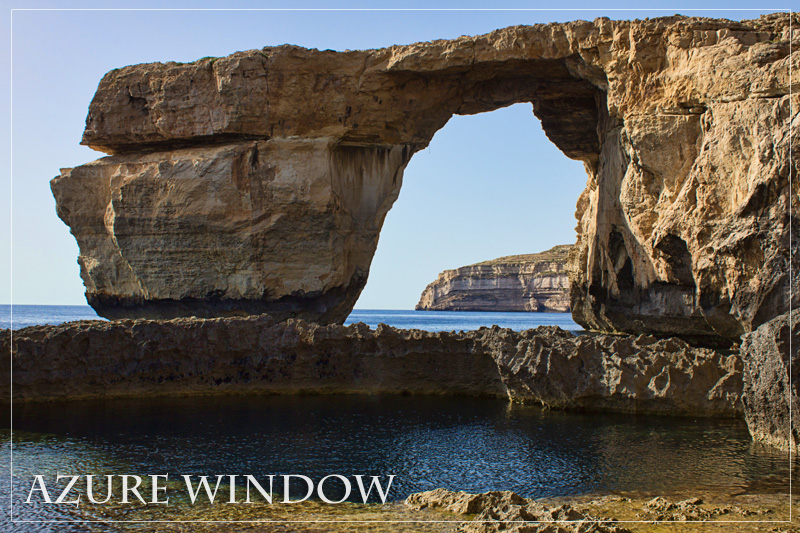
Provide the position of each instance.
(456, 320)
(33, 315)
(469, 444)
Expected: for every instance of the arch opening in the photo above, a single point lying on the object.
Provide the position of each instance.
(489, 185)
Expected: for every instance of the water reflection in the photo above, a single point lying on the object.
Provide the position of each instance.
(426, 442)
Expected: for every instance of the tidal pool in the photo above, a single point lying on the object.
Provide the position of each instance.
(466, 444)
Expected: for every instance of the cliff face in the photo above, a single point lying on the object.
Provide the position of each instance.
(532, 282)
(260, 181)
(281, 226)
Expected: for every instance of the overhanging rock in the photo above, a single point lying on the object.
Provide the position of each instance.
(259, 182)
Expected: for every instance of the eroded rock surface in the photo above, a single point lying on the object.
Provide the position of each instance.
(617, 373)
(771, 382)
(508, 511)
(682, 123)
(531, 282)
(242, 355)
(545, 366)
(280, 226)
(692, 509)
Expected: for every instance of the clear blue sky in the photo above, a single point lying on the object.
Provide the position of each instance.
(489, 185)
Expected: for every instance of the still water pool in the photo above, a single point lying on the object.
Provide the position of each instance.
(425, 442)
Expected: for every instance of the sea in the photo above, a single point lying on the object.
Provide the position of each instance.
(34, 315)
(425, 442)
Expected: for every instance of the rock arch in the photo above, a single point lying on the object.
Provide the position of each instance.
(259, 182)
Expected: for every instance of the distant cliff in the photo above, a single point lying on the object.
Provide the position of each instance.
(532, 282)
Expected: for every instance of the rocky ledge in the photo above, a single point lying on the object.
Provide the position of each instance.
(546, 366)
(259, 182)
(530, 282)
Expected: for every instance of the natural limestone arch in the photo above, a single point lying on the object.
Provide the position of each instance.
(259, 182)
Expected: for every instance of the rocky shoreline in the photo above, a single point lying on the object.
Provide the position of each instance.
(443, 510)
(545, 366)
(496, 511)
(247, 355)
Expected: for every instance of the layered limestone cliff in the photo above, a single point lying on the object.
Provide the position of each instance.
(285, 226)
(260, 181)
(531, 282)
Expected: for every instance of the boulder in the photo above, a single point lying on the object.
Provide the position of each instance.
(771, 381)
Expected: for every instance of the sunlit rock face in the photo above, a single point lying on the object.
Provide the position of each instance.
(280, 226)
(518, 283)
(682, 123)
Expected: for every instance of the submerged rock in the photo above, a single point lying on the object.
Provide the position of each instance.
(496, 511)
(532, 282)
(771, 398)
(545, 366)
(259, 182)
